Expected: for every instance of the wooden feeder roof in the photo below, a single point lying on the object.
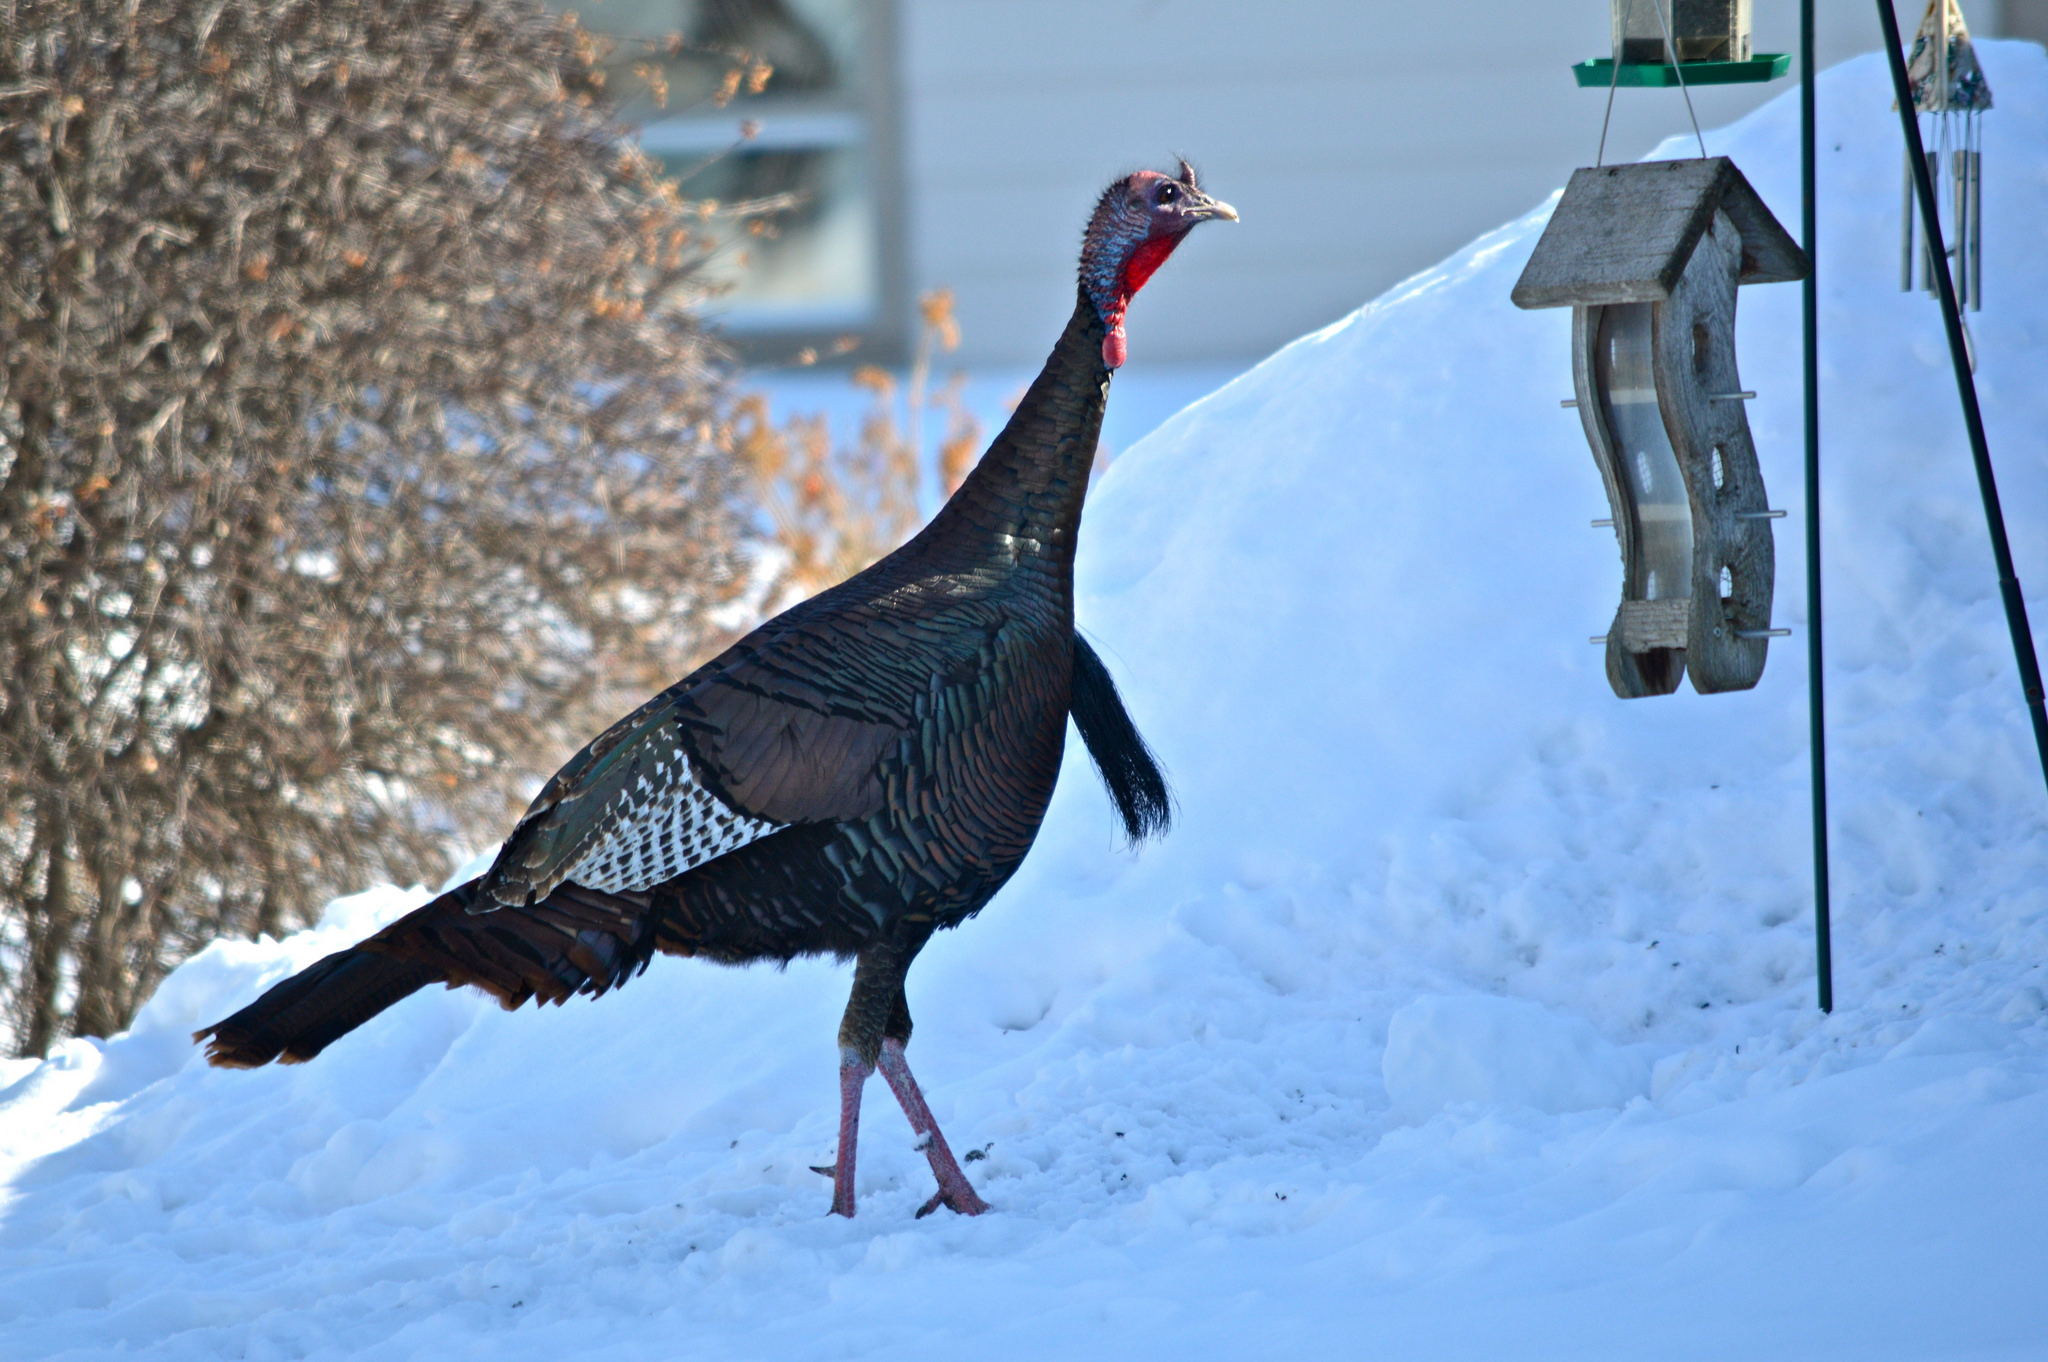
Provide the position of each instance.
(1623, 233)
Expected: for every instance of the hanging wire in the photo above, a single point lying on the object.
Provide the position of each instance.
(1600, 156)
(1671, 46)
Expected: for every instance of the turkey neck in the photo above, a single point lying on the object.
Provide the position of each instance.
(1019, 511)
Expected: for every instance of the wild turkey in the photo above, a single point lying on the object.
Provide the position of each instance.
(860, 771)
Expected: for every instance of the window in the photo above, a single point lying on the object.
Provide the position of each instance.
(821, 138)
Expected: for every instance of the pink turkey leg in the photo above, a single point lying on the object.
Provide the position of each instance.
(954, 1189)
(853, 1076)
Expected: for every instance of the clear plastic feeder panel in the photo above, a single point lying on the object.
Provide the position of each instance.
(1660, 568)
(1702, 30)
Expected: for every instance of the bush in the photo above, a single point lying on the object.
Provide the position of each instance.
(833, 508)
(357, 454)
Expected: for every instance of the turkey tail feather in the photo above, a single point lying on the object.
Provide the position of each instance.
(306, 1013)
(1128, 769)
(576, 940)
(331, 997)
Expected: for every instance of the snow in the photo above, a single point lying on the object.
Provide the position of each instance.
(1467, 1012)
(1502, 1052)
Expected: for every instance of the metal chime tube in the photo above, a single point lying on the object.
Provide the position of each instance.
(1907, 218)
(1929, 262)
(1976, 236)
(1959, 190)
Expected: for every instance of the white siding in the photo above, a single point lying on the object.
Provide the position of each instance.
(1361, 142)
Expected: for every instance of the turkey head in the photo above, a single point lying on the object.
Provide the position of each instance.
(1137, 223)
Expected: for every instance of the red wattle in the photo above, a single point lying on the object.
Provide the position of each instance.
(1114, 351)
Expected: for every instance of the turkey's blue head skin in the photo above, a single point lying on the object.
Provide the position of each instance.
(1137, 223)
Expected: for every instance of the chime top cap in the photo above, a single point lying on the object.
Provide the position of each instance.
(1623, 234)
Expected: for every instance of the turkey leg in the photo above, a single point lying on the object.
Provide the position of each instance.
(875, 1009)
(853, 1076)
(871, 1034)
(954, 1189)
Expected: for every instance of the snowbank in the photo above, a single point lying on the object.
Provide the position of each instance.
(1467, 1012)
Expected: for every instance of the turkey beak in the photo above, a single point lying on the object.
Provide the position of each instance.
(1211, 208)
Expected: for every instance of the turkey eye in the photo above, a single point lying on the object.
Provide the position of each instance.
(1168, 193)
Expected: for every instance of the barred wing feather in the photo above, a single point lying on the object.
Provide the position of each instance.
(626, 813)
(703, 769)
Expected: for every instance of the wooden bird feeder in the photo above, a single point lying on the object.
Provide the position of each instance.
(1648, 257)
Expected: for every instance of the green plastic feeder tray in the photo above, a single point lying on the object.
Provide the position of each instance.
(1764, 66)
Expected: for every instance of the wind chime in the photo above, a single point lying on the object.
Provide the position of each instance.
(1948, 84)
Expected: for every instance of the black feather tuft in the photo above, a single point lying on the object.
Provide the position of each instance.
(306, 1013)
(1128, 769)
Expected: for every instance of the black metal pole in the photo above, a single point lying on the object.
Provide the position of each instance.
(1823, 936)
(1966, 387)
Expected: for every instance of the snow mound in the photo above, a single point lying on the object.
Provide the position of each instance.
(1467, 1013)
(1502, 1052)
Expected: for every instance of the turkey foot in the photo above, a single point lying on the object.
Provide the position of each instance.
(954, 1189)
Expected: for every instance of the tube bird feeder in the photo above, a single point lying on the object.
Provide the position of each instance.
(1680, 42)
